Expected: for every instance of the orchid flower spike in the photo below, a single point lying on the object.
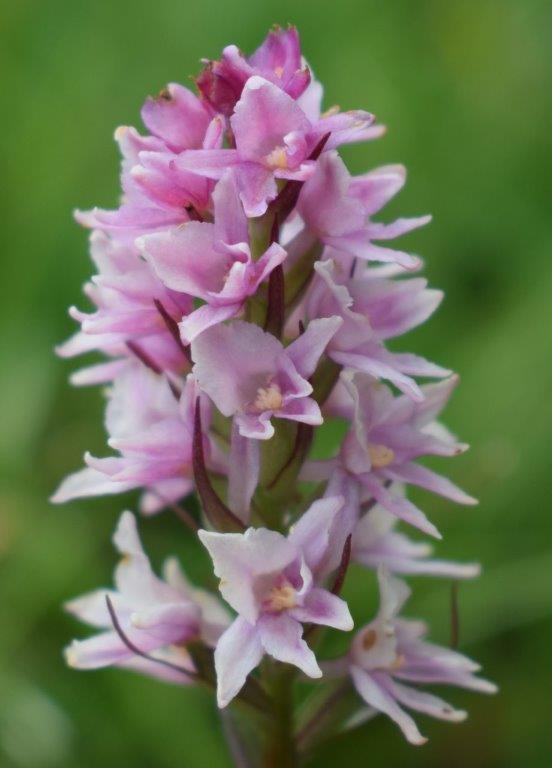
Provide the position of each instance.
(246, 317)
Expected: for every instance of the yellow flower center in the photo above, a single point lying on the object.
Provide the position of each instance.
(268, 398)
(277, 158)
(380, 455)
(280, 598)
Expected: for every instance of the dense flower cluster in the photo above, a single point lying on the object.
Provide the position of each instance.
(244, 295)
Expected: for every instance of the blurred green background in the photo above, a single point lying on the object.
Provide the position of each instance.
(464, 87)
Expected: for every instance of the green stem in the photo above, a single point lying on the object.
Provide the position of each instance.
(324, 379)
(323, 722)
(280, 749)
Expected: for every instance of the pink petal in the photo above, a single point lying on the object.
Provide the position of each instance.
(92, 607)
(307, 349)
(431, 481)
(279, 52)
(436, 396)
(359, 244)
(311, 100)
(376, 188)
(399, 506)
(211, 163)
(256, 187)
(393, 595)
(102, 650)
(376, 696)
(378, 231)
(324, 204)
(310, 535)
(97, 374)
(304, 409)
(379, 364)
(205, 317)
(281, 636)
(394, 307)
(85, 483)
(353, 135)
(424, 702)
(184, 259)
(214, 136)
(243, 473)
(230, 220)
(168, 622)
(177, 116)
(262, 119)
(166, 436)
(164, 493)
(130, 217)
(414, 365)
(255, 427)
(134, 577)
(232, 362)
(174, 655)
(238, 651)
(321, 607)
(344, 523)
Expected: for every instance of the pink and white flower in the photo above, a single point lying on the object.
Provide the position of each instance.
(390, 654)
(127, 296)
(388, 434)
(244, 250)
(278, 59)
(273, 140)
(158, 616)
(374, 309)
(336, 209)
(155, 195)
(212, 262)
(271, 582)
(153, 433)
(248, 374)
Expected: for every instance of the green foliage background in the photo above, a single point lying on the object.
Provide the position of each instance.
(464, 86)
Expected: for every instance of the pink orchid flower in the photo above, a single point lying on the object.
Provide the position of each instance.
(273, 141)
(336, 208)
(155, 195)
(125, 292)
(270, 581)
(374, 540)
(212, 262)
(375, 543)
(390, 652)
(158, 616)
(373, 311)
(153, 433)
(248, 374)
(278, 59)
(388, 434)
